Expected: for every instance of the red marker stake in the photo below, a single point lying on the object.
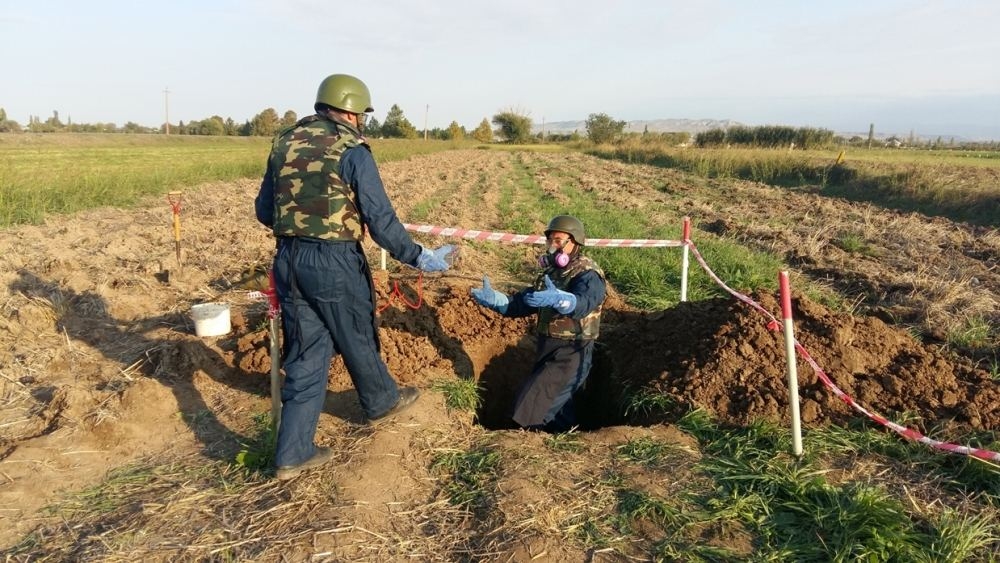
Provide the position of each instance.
(793, 378)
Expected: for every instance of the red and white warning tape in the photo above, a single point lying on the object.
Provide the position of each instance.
(493, 236)
(273, 310)
(271, 294)
(909, 433)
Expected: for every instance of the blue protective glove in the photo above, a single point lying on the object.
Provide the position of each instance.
(563, 302)
(434, 260)
(489, 297)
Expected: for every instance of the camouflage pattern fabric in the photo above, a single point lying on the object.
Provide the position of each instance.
(310, 197)
(555, 325)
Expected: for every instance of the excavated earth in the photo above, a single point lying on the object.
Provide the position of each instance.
(100, 365)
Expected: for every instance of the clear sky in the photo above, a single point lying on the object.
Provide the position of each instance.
(927, 66)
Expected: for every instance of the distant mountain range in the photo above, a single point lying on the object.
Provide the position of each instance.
(692, 126)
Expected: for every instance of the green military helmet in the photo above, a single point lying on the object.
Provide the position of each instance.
(346, 93)
(567, 224)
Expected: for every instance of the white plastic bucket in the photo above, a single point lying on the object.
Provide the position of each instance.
(211, 319)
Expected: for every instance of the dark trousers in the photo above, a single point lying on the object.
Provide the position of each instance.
(327, 308)
(545, 400)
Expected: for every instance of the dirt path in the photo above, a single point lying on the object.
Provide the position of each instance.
(100, 368)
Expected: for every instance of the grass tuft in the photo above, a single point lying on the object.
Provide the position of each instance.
(565, 442)
(469, 476)
(642, 403)
(961, 537)
(459, 394)
(644, 450)
(258, 453)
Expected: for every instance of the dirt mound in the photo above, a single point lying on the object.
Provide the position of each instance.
(721, 356)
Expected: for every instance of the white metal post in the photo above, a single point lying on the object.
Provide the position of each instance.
(686, 240)
(790, 357)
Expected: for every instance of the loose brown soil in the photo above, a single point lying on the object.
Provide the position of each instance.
(101, 369)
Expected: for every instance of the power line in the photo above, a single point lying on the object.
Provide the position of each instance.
(166, 108)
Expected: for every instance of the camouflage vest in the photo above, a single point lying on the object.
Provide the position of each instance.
(555, 325)
(310, 198)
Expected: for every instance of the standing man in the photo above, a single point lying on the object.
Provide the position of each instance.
(567, 295)
(320, 191)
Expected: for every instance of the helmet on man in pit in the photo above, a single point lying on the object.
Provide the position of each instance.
(344, 92)
(567, 224)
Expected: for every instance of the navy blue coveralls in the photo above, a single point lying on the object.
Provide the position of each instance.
(545, 399)
(327, 307)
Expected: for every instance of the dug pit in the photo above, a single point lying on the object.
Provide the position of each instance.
(653, 367)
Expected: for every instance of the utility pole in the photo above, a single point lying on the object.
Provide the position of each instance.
(166, 108)
(427, 109)
(543, 129)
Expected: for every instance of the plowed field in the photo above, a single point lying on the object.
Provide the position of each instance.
(101, 368)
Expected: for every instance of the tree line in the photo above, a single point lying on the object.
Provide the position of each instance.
(512, 126)
(265, 124)
(767, 136)
(777, 136)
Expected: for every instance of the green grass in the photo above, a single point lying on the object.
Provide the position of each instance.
(42, 174)
(787, 507)
(69, 173)
(975, 333)
(565, 442)
(646, 451)
(960, 185)
(641, 403)
(857, 520)
(961, 537)
(113, 493)
(257, 454)
(469, 476)
(852, 243)
(994, 370)
(529, 207)
(635, 505)
(459, 394)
